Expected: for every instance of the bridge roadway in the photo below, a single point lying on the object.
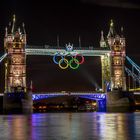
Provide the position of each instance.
(87, 95)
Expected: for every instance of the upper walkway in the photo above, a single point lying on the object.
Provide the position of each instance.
(49, 50)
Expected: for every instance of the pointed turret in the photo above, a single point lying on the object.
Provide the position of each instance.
(79, 41)
(23, 26)
(58, 41)
(31, 86)
(102, 41)
(102, 36)
(19, 30)
(9, 28)
(13, 25)
(111, 32)
(122, 32)
(6, 33)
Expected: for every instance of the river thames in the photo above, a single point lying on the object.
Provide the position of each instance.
(71, 126)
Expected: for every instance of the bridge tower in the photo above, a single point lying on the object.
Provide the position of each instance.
(105, 64)
(117, 47)
(15, 65)
(16, 97)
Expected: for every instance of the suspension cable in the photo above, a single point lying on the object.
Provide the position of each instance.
(2, 57)
(133, 63)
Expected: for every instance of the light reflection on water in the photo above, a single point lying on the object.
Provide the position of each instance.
(71, 126)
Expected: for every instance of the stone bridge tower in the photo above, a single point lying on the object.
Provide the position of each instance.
(15, 65)
(117, 46)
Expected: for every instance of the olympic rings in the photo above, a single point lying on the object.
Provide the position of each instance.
(54, 58)
(82, 58)
(76, 62)
(64, 63)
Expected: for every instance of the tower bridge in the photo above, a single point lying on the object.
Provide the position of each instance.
(112, 52)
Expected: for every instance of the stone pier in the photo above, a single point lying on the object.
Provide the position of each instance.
(17, 102)
(118, 100)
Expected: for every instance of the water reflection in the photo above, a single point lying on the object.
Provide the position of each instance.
(70, 126)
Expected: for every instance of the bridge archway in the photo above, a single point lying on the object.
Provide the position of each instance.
(98, 97)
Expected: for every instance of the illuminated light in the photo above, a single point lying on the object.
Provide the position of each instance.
(108, 54)
(111, 24)
(44, 107)
(40, 107)
(100, 89)
(17, 82)
(65, 61)
(82, 58)
(94, 104)
(102, 57)
(118, 83)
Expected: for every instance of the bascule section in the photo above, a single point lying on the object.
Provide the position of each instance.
(15, 65)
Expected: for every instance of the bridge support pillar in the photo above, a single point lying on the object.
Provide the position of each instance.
(17, 102)
(118, 100)
(101, 105)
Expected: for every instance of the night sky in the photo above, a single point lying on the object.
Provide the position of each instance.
(44, 20)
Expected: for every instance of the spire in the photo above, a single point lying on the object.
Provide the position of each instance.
(23, 26)
(6, 32)
(31, 85)
(111, 32)
(79, 41)
(102, 41)
(13, 26)
(9, 28)
(102, 36)
(9, 24)
(111, 23)
(57, 40)
(121, 31)
(19, 30)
